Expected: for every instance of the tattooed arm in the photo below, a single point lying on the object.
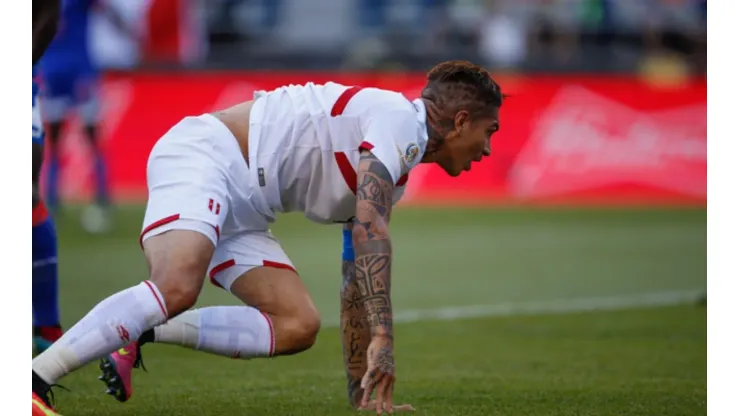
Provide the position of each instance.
(372, 243)
(372, 246)
(355, 331)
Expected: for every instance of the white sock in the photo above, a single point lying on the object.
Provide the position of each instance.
(231, 331)
(113, 323)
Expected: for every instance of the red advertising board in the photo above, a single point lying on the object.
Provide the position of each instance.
(563, 139)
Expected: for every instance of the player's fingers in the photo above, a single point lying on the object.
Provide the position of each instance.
(404, 408)
(369, 377)
(380, 395)
(370, 405)
(396, 408)
(365, 398)
(388, 397)
(367, 385)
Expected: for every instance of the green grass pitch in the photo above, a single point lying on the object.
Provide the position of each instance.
(640, 361)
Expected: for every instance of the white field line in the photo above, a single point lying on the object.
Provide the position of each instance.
(558, 306)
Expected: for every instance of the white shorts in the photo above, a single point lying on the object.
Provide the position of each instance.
(199, 181)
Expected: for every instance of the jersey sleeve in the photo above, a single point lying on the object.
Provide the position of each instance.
(393, 138)
(398, 193)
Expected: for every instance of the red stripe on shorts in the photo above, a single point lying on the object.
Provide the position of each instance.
(155, 224)
(276, 265)
(218, 269)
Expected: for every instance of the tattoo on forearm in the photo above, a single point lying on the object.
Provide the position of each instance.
(355, 334)
(372, 243)
(366, 302)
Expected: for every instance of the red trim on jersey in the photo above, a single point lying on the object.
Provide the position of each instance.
(39, 214)
(272, 334)
(159, 301)
(218, 269)
(155, 224)
(350, 175)
(341, 104)
(348, 172)
(345, 167)
(402, 180)
(276, 265)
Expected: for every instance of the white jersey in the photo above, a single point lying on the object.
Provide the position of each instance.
(305, 143)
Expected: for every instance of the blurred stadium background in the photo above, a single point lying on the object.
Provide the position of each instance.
(594, 198)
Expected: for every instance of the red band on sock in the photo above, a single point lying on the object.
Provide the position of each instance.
(156, 296)
(272, 334)
(40, 214)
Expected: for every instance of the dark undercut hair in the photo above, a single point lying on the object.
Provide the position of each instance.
(453, 86)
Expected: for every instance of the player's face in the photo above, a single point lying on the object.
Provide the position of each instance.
(469, 142)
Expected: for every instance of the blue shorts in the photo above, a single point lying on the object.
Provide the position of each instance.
(63, 90)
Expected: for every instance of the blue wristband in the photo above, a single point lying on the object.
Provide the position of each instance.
(348, 250)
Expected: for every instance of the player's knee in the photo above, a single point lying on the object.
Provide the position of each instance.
(178, 297)
(299, 332)
(178, 261)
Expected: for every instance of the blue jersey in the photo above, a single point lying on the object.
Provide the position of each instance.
(69, 50)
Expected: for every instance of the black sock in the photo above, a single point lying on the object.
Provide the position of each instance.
(147, 336)
(39, 386)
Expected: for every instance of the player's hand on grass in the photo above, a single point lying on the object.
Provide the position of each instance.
(371, 406)
(381, 374)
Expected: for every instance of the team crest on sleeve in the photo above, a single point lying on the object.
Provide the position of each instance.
(412, 151)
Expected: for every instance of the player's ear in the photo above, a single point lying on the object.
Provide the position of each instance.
(462, 117)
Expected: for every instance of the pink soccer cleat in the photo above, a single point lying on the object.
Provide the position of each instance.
(117, 369)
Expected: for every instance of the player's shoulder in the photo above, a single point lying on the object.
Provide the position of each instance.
(379, 100)
(309, 88)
